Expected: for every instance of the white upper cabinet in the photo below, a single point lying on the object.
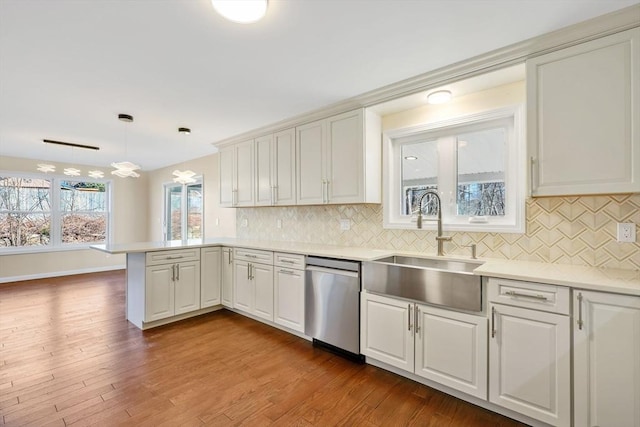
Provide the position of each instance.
(339, 159)
(237, 175)
(275, 169)
(584, 117)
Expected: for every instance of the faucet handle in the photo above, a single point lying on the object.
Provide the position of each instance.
(473, 250)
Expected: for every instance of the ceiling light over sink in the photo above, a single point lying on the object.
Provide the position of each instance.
(241, 11)
(439, 97)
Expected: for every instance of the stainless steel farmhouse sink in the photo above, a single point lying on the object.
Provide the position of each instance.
(447, 283)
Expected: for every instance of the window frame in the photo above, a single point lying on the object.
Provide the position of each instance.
(199, 180)
(55, 238)
(513, 222)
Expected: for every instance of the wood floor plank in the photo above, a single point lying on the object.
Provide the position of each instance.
(68, 357)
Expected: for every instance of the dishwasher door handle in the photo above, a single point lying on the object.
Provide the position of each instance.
(332, 271)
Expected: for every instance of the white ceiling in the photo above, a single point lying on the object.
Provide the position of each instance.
(68, 67)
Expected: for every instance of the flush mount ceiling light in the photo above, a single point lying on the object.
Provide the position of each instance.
(184, 131)
(439, 97)
(184, 177)
(72, 171)
(411, 158)
(46, 167)
(241, 11)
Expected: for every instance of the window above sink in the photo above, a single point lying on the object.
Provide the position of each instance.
(470, 151)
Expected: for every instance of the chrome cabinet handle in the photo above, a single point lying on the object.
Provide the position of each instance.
(252, 270)
(248, 271)
(327, 190)
(175, 257)
(532, 162)
(290, 272)
(251, 256)
(234, 197)
(173, 273)
(518, 294)
(275, 194)
(177, 271)
(288, 261)
(409, 318)
(417, 321)
(493, 322)
(580, 321)
(230, 260)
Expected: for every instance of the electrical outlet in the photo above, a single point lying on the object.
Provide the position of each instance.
(244, 223)
(626, 232)
(345, 224)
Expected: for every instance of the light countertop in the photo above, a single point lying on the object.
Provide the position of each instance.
(582, 277)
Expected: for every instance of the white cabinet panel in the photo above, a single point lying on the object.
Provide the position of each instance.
(264, 172)
(210, 277)
(159, 292)
(226, 169)
(289, 297)
(529, 364)
(227, 277)
(583, 104)
(310, 163)
(243, 287)
(451, 349)
(387, 330)
(187, 287)
(345, 158)
(236, 169)
(606, 359)
(262, 277)
(284, 167)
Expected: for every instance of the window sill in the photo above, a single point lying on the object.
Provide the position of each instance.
(42, 249)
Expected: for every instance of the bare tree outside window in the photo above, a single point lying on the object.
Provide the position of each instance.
(25, 211)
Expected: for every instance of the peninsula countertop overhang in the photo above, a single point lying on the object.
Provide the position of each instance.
(574, 276)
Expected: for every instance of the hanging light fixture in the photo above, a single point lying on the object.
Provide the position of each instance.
(72, 171)
(46, 167)
(125, 169)
(184, 177)
(241, 11)
(96, 174)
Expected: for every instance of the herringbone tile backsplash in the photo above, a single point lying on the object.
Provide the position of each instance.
(563, 230)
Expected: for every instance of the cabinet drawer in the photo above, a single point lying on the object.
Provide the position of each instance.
(289, 260)
(179, 255)
(252, 255)
(537, 296)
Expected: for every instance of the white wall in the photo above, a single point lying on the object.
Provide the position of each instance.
(129, 217)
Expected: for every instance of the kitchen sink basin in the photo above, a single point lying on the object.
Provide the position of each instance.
(447, 283)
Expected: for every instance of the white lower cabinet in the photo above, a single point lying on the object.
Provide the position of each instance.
(444, 346)
(210, 276)
(289, 298)
(171, 289)
(606, 364)
(253, 282)
(227, 277)
(530, 351)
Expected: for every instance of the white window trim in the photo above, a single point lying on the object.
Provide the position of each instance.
(515, 178)
(55, 244)
(183, 205)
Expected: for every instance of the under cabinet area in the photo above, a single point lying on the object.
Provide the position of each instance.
(445, 346)
(583, 104)
(530, 349)
(606, 359)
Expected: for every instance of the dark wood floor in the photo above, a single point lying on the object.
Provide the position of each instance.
(68, 357)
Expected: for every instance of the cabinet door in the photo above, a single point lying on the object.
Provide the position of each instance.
(284, 167)
(583, 104)
(242, 287)
(345, 155)
(310, 182)
(529, 363)
(187, 287)
(289, 298)
(159, 293)
(210, 277)
(262, 277)
(226, 160)
(244, 174)
(606, 359)
(451, 349)
(227, 277)
(264, 171)
(387, 330)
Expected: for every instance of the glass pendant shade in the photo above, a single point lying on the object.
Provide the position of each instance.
(46, 167)
(241, 11)
(184, 177)
(125, 169)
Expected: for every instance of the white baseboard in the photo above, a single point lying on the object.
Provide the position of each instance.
(60, 273)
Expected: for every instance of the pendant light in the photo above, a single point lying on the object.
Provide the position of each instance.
(184, 177)
(125, 169)
(44, 166)
(241, 11)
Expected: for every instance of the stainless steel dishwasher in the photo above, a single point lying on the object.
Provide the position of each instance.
(332, 305)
